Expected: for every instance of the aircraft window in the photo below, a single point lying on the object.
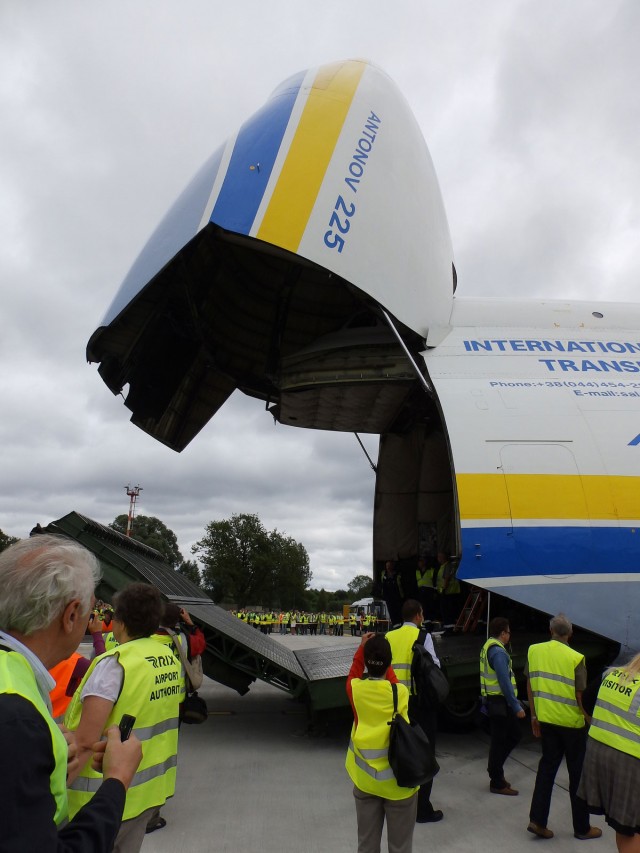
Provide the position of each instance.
(597, 314)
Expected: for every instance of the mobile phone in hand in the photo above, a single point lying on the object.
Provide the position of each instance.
(126, 725)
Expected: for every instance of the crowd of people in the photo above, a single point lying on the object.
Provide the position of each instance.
(298, 622)
(79, 786)
(594, 727)
(432, 580)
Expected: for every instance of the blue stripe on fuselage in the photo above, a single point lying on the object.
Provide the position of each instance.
(503, 552)
(178, 227)
(252, 160)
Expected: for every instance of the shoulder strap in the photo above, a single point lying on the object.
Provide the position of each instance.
(394, 690)
(178, 647)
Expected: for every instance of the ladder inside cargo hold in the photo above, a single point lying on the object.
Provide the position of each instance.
(473, 609)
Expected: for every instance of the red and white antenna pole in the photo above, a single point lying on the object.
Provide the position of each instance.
(133, 492)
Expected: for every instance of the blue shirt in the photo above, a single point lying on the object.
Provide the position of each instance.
(498, 660)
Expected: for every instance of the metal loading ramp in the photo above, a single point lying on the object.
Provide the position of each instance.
(237, 654)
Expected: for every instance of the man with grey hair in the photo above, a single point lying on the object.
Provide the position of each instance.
(46, 596)
(556, 677)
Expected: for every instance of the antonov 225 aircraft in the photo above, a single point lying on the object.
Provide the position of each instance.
(309, 264)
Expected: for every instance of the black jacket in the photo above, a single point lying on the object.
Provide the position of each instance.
(27, 806)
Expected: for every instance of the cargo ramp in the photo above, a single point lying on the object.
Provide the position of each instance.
(237, 654)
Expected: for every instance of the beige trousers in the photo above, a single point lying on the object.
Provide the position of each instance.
(371, 812)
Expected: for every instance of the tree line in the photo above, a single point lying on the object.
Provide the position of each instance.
(242, 563)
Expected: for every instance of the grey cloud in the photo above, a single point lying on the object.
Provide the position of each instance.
(532, 119)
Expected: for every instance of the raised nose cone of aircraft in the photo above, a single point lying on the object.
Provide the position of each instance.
(270, 272)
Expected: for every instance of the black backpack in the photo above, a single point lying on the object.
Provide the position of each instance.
(428, 681)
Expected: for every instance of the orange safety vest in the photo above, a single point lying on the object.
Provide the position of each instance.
(62, 673)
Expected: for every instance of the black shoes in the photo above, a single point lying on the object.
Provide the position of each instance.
(432, 817)
(160, 824)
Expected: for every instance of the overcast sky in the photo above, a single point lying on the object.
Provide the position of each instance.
(531, 111)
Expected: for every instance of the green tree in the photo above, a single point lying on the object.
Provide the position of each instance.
(288, 563)
(233, 554)
(245, 563)
(191, 571)
(323, 601)
(360, 586)
(152, 532)
(6, 540)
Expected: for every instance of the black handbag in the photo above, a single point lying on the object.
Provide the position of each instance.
(411, 756)
(193, 709)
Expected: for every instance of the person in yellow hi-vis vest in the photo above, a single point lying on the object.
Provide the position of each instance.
(47, 585)
(143, 678)
(447, 591)
(611, 772)
(556, 676)
(425, 582)
(499, 691)
(402, 640)
(353, 624)
(377, 794)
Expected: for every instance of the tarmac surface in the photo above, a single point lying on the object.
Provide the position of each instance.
(254, 778)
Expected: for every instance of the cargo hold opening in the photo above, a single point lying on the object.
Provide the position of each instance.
(415, 508)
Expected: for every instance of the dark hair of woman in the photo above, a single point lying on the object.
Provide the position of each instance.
(171, 615)
(377, 655)
(139, 608)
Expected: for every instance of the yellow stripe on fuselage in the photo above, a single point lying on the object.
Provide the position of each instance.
(309, 154)
(548, 496)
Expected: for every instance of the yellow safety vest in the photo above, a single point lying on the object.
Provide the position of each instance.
(552, 673)
(367, 761)
(489, 684)
(167, 640)
(453, 587)
(424, 580)
(17, 677)
(616, 719)
(110, 641)
(151, 692)
(401, 641)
